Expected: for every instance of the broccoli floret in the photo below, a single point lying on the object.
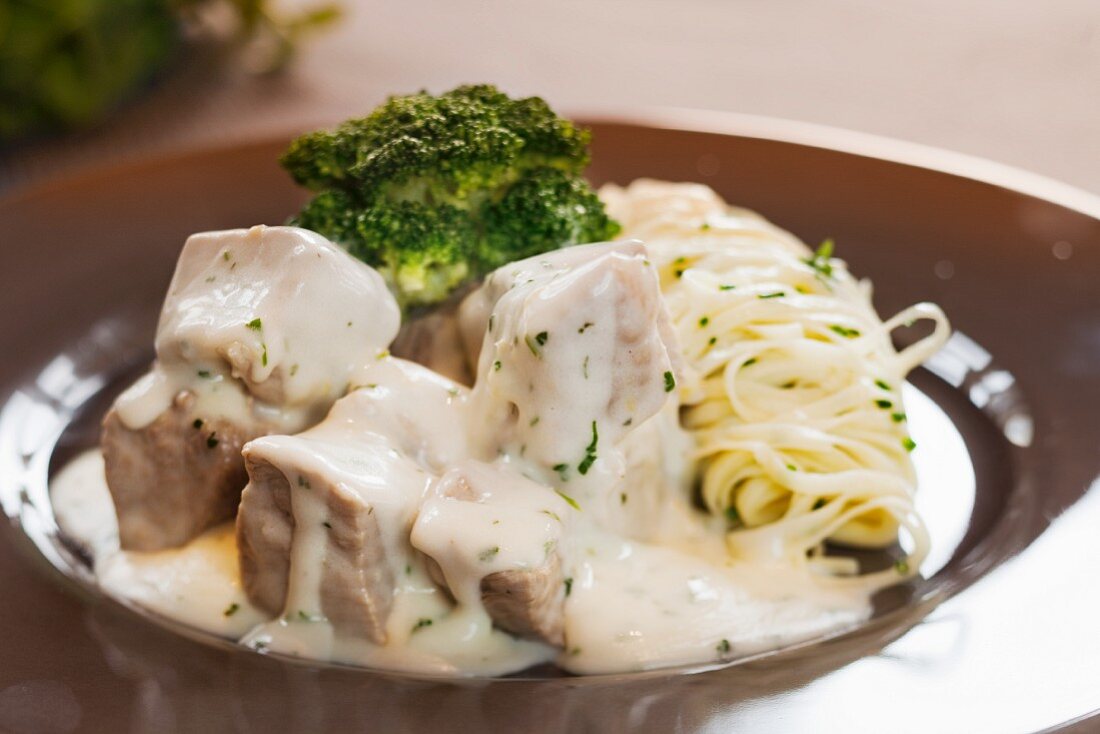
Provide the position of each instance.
(445, 147)
(423, 252)
(544, 210)
(437, 191)
(333, 214)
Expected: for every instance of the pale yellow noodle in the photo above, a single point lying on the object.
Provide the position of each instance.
(793, 390)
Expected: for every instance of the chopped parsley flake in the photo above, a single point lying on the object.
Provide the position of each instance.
(551, 513)
(496, 366)
(293, 370)
(723, 647)
(726, 287)
(211, 441)
(844, 331)
(792, 467)
(731, 514)
(622, 498)
(563, 471)
(749, 362)
(902, 566)
(225, 255)
(712, 341)
(704, 226)
(819, 503)
(898, 417)
(704, 321)
(422, 623)
(908, 443)
(541, 337)
(534, 421)
(589, 452)
(584, 367)
(777, 294)
(231, 609)
(382, 354)
(263, 357)
(531, 345)
(488, 554)
(583, 328)
(303, 482)
(204, 374)
(628, 421)
(678, 273)
(571, 502)
(670, 382)
(327, 524)
(884, 404)
(491, 317)
(569, 586)
(883, 385)
(255, 325)
(197, 423)
(820, 261)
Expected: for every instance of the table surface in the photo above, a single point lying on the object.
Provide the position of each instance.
(1011, 80)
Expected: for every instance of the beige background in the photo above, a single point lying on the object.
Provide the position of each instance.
(1013, 80)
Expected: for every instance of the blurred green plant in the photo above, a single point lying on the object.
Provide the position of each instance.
(69, 63)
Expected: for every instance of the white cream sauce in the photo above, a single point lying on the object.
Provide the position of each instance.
(632, 605)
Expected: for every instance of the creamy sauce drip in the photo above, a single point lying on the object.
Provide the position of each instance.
(632, 605)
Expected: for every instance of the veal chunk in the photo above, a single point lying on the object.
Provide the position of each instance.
(492, 536)
(356, 584)
(174, 478)
(528, 602)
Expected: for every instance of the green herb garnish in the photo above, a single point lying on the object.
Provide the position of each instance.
(844, 331)
(589, 452)
(820, 260)
(569, 500)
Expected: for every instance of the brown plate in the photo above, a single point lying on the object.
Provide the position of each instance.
(1001, 637)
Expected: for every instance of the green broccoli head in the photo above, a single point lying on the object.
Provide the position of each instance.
(435, 191)
(544, 210)
(423, 252)
(332, 213)
(444, 147)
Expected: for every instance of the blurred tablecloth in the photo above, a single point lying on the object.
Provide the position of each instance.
(1017, 81)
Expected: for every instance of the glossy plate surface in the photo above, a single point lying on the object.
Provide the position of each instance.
(1001, 637)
